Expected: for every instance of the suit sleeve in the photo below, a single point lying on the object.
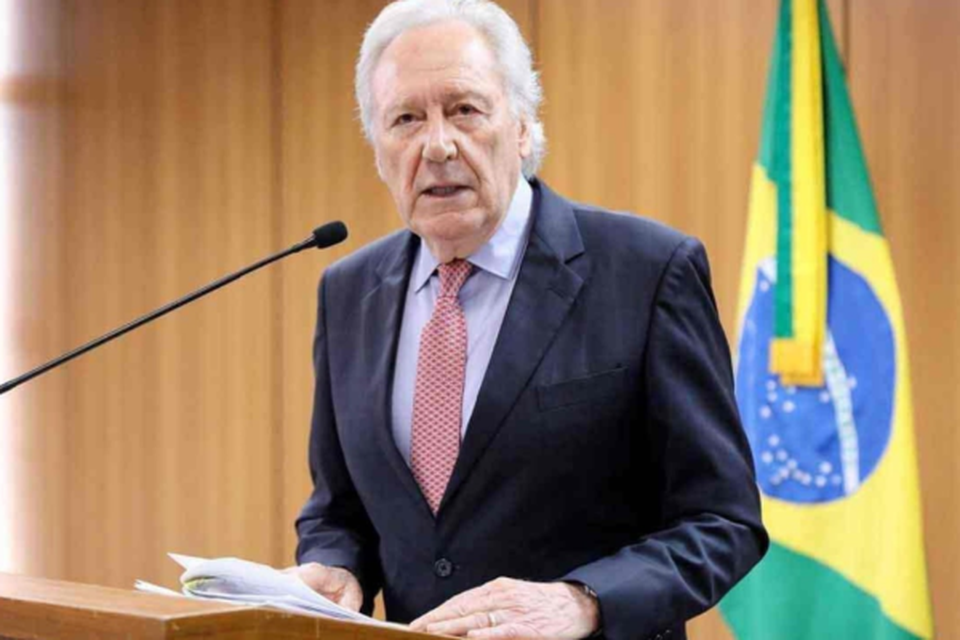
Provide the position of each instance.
(710, 532)
(333, 527)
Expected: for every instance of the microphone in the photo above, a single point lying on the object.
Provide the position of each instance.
(322, 237)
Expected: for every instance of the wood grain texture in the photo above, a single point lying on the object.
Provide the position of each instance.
(328, 173)
(905, 85)
(55, 610)
(31, 420)
(653, 107)
(166, 185)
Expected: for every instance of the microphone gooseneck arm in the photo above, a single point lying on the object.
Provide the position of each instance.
(326, 236)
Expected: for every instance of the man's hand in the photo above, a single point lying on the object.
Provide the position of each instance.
(508, 608)
(333, 583)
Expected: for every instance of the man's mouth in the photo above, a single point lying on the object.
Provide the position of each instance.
(445, 191)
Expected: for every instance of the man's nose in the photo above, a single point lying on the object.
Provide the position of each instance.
(439, 146)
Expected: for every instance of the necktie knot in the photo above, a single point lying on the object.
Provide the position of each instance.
(452, 276)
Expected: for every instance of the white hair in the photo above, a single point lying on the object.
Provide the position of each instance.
(521, 82)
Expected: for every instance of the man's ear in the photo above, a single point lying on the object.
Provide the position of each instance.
(525, 139)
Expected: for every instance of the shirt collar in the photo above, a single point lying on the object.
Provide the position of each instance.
(500, 255)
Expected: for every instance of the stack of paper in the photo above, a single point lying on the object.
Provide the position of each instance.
(242, 581)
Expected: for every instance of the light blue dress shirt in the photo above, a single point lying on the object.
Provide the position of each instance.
(484, 298)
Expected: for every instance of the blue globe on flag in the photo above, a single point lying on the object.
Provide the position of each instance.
(818, 444)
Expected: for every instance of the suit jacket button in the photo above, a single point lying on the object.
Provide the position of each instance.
(443, 568)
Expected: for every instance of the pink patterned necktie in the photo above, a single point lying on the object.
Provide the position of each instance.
(438, 395)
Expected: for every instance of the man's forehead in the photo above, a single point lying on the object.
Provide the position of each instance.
(437, 39)
(445, 53)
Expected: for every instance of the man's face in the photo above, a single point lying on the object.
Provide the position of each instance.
(447, 145)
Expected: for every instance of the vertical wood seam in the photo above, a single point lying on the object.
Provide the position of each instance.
(68, 24)
(63, 91)
(277, 282)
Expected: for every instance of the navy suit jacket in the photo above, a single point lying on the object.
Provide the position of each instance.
(605, 446)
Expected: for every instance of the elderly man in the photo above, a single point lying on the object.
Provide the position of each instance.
(524, 422)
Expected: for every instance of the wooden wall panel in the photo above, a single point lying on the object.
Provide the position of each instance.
(168, 185)
(327, 174)
(653, 106)
(32, 452)
(905, 85)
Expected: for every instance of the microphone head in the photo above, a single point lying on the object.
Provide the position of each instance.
(329, 234)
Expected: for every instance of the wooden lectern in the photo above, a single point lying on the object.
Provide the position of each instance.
(39, 609)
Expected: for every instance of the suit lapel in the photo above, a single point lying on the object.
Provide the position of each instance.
(384, 307)
(547, 286)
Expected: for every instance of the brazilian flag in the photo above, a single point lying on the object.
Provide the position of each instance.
(823, 381)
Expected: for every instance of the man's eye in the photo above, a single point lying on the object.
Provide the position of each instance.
(466, 110)
(404, 118)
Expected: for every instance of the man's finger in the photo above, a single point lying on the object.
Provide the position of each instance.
(339, 585)
(493, 595)
(500, 631)
(318, 576)
(460, 626)
(352, 598)
(467, 603)
(449, 610)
